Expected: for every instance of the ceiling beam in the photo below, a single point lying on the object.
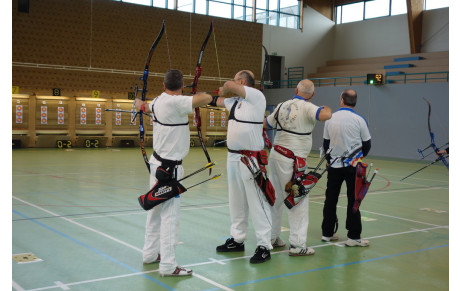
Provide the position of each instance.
(325, 7)
(414, 19)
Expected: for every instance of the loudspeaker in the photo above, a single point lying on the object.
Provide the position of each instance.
(23, 6)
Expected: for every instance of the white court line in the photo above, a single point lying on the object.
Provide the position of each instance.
(104, 216)
(98, 232)
(17, 287)
(339, 244)
(212, 282)
(423, 179)
(80, 225)
(136, 213)
(95, 280)
(217, 261)
(385, 215)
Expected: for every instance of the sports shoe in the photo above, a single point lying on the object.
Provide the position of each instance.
(179, 271)
(335, 236)
(262, 254)
(156, 261)
(231, 245)
(278, 242)
(294, 251)
(357, 242)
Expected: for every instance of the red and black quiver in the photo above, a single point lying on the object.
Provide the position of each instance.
(301, 183)
(361, 184)
(161, 192)
(300, 188)
(259, 172)
(165, 188)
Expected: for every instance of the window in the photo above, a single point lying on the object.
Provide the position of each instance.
(436, 4)
(142, 2)
(398, 7)
(376, 8)
(352, 12)
(379, 8)
(284, 13)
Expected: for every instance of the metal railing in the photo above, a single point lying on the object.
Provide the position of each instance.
(361, 80)
(424, 77)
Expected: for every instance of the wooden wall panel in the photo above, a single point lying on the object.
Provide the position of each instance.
(81, 36)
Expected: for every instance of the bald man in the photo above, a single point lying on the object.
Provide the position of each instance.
(294, 121)
(347, 133)
(245, 143)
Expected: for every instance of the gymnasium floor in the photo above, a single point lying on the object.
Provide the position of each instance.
(77, 225)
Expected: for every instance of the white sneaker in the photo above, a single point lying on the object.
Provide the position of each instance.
(179, 271)
(278, 242)
(335, 236)
(357, 242)
(294, 252)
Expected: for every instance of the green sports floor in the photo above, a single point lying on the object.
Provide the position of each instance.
(77, 225)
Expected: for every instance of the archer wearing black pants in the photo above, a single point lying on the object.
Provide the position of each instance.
(347, 133)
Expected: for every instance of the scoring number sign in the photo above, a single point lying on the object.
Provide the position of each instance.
(91, 143)
(64, 144)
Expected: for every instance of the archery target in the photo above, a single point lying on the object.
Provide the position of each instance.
(98, 116)
(83, 115)
(223, 119)
(60, 115)
(211, 118)
(117, 118)
(19, 113)
(44, 115)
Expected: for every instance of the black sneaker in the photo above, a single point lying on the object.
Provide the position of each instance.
(261, 255)
(231, 245)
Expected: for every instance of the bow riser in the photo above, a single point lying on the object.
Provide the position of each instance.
(198, 70)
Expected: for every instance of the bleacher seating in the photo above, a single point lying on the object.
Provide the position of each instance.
(388, 65)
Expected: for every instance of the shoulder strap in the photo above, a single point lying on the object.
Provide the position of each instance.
(286, 130)
(232, 115)
(155, 119)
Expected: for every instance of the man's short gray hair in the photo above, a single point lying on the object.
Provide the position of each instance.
(306, 87)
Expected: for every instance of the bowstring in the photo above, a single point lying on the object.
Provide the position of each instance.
(217, 56)
(167, 47)
(220, 83)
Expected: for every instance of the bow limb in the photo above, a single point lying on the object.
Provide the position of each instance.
(432, 141)
(194, 90)
(144, 91)
(264, 71)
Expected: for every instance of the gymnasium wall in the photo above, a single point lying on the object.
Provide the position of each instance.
(386, 36)
(396, 114)
(321, 40)
(310, 48)
(83, 45)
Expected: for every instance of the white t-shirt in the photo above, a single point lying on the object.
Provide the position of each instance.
(246, 136)
(297, 115)
(171, 142)
(346, 130)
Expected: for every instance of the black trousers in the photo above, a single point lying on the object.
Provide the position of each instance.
(335, 179)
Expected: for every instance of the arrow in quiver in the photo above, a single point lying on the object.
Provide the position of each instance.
(300, 187)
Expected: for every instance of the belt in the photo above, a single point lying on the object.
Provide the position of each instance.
(165, 161)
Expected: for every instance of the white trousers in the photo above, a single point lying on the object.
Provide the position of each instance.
(162, 229)
(246, 198)
(281, 169)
